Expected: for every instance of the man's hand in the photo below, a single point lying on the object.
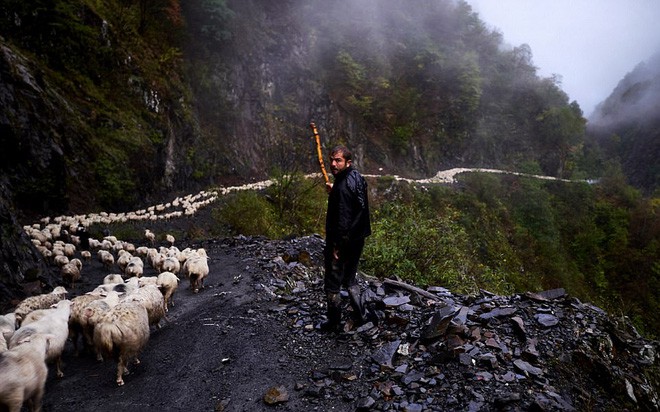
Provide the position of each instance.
(335, 253)
(328, 187)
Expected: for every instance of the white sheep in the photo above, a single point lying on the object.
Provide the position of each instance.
(168, 282)
(86, 255)
(123, 258)
(171, 264)
(69, 250)
(93, 312)
(35, 315)
(134, 268)
(127, 287)
(7, 325)
(55, 323)
(124, 331)
(106, 258)
(71, 271)
(149, 236)
(155, 259)
(153, 301)
(43, 301)
(170, 239)
(78, 305)
(148, 280)
(60, 260)
(23, 373)
(196, 268)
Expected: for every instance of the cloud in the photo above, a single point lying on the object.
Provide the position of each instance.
(591, 44)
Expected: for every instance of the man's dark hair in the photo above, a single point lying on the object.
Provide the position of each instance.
(346, 154)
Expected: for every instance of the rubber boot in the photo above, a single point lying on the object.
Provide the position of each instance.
(357, 303)
(333, 313)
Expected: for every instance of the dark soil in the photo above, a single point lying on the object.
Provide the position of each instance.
(221, 349)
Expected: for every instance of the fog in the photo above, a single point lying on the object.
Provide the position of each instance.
(590, 44)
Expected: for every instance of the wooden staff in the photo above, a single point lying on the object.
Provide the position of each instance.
(319, 152)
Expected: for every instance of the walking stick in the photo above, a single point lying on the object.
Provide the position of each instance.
(319, 152)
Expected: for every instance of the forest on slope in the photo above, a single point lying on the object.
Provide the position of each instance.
(113, 105)
(626, 126)
(115, 102)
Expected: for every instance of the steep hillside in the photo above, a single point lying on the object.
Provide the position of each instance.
(109, 103)
(627, 125)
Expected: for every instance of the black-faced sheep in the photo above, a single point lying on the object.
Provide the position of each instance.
(43, 301)
(124, 332)
(23, 373)
(55, 323)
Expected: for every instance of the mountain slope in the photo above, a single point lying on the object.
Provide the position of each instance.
(627, 124)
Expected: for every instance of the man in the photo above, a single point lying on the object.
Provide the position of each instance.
(347, 225)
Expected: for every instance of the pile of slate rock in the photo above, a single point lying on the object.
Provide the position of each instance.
(432, 350)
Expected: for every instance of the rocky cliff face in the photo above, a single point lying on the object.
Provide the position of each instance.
(21, 269)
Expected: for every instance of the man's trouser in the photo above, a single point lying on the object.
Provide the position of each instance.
(342, 272)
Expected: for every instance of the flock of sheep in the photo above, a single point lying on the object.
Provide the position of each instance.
(115, 319)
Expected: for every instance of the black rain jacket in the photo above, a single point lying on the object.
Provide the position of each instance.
(348, 209)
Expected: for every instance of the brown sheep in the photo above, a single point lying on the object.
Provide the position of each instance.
(106, 258)
(71, 272)
(123, 332)
(43, 301)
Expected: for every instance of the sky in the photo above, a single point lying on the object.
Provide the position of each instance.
(591, 44)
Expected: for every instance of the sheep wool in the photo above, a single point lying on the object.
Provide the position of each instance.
(23, 373)
(55, 323)
(43, 301)
(168, 282)
(71, 272)
(153, 301)
(78, 305)
(124, 331)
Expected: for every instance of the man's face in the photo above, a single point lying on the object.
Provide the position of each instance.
(338, 163)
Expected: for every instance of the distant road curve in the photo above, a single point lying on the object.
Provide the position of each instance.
(189, 205)
(448, 176)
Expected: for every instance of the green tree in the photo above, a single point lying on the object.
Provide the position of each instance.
(562, 131)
